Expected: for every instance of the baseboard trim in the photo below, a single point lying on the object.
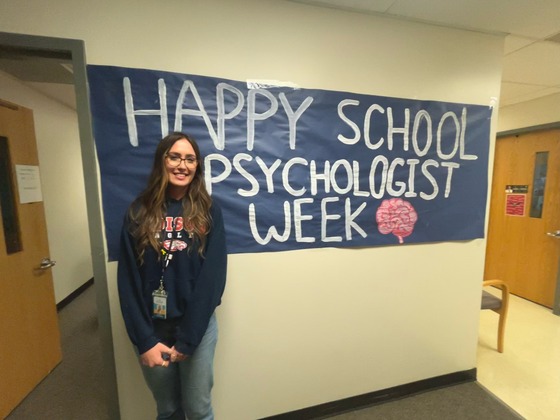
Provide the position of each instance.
(73, 295)
(373, 398)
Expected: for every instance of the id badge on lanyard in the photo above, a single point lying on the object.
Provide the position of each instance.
(159, 296)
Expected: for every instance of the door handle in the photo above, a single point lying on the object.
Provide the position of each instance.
(46, 263)
(555, 234)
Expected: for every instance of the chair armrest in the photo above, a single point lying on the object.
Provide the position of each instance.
(495, 282)
(501, 285)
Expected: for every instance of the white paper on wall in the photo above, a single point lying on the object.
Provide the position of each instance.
(29, 184)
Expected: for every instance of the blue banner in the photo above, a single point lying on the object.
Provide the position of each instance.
(298, 168)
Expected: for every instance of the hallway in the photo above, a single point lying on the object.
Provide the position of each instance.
(74, 390)
(525, 376)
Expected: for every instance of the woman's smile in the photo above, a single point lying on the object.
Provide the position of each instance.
(181, 165)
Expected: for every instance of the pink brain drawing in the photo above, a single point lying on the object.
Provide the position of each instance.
(396, 216)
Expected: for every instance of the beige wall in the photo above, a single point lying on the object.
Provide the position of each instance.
(302, 328)
(62, 183)
(539, 111)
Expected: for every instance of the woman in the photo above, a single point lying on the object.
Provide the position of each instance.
(171, 276)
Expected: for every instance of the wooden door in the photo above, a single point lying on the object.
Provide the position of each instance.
(29, 334)
(524, 212)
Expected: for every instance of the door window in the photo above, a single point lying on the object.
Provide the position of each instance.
(539, 184)
(10, 220)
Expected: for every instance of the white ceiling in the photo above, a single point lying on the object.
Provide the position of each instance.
(531, 66)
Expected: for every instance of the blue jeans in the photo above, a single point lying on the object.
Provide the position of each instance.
(184, 388)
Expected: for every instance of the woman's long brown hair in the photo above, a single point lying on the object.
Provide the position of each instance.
(147, 211)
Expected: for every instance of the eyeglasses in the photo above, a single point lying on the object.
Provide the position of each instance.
(175, 160)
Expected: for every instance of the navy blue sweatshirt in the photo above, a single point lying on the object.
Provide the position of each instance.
(194, 284)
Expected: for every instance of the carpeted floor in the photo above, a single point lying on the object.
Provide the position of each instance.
(74, 390)
(459, 402)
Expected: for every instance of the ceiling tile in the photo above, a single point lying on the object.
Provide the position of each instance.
(511, 90)
(537, 64)
(371, 6)
(521, 17)
(513, 43)
(530, 94)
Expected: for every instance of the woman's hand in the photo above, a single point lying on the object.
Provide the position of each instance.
(176, 356)
(154, 356)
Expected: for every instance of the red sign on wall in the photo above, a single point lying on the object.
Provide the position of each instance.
(515, 204)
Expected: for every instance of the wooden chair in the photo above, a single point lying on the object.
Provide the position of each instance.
(498, 305)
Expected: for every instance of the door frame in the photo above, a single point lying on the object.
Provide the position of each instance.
(524, 130)
(76, 48)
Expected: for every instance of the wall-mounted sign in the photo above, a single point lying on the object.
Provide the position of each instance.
(29, 184)
(517, 189)
(296, 168)
(515, 204)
